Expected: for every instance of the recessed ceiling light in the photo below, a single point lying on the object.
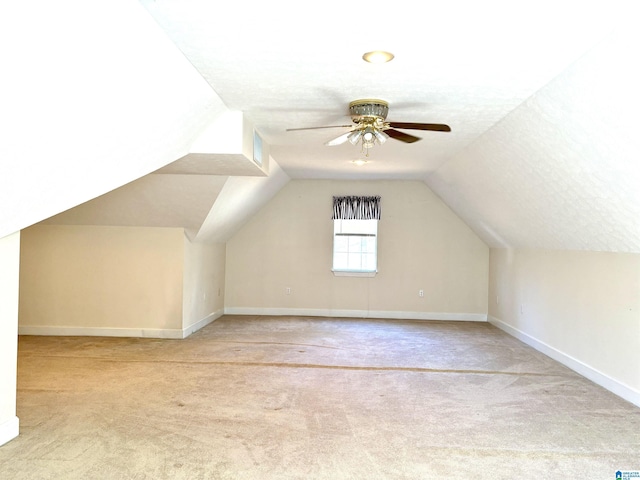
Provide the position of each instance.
(359, 162)
(377, 56)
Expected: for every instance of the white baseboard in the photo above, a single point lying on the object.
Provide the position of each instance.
(9, 430)
(201, 323)
(395, 315)
(101, 332)
(169, 333)
(605, 381)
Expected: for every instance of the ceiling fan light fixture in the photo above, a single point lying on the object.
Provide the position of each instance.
(378, 56)
(354, 137)
(381, 137)
(369, 138)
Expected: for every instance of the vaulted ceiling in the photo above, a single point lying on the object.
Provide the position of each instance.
(541, 100)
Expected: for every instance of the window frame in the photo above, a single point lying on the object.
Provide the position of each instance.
(339, 231)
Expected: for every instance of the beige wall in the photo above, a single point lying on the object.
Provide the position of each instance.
(422, 245)
(9, 282)
(203, 284)
(101, 280)
(581, 308)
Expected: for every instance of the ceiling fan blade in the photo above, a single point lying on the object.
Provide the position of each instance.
(339, 140)
(316, 128)
(437, 127)
(403, 137)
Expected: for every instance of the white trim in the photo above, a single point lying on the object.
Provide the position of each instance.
(170, 333)
(201, 323)
(624, 391)
(101, 332)
(9, 430)
(354, 273)
(395, 315)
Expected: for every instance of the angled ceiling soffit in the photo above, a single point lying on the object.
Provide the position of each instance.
(228, 146)
(239, 199)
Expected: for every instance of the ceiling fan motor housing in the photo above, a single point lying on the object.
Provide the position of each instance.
(368, 108)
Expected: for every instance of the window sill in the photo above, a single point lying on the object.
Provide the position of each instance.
(353, 273)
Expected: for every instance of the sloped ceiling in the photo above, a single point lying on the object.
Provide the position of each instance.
(156, 200)
(463, 63)
(561, 171)
(539, 97)
(93, 95)
(192, 193)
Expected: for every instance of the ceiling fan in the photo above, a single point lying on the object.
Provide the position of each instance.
(370, 126)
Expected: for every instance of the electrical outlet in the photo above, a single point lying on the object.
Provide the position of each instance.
(421, 293)
(287, 290)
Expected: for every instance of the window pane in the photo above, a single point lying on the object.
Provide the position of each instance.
(340, 244)
(340, 261)
(355, 226)
(369, 261)
(354, 262)
(355, 249)
(355, 244)
(369, 244)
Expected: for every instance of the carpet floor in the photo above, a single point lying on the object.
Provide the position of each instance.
(312, 398)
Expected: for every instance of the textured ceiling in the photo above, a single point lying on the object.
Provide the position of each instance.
(561, 171)
(540, 98)
(540, 154)
(155, 200)
(466, 64)
(85, 110)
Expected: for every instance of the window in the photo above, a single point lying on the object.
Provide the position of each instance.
(355, 235)
(355, 245)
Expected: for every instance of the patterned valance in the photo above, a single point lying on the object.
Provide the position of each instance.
(356, 208)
